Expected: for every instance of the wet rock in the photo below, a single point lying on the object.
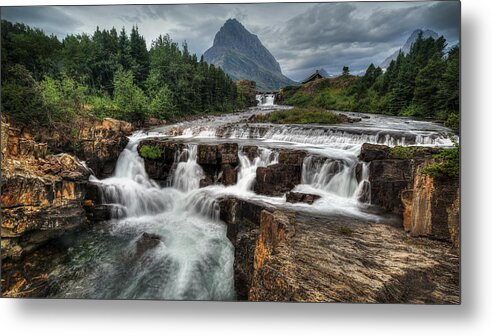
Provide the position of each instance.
(172, 152)
(277, 179)
(370, 152)
(251, 152)
(346, 119)
(219, 162)
(297, 197)
(146, 242)
(388, 178)
(291, 157)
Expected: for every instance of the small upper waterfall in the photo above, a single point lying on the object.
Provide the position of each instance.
(265, 99)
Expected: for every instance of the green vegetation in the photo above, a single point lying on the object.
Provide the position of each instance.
(106, 74)
(447, 165)
(405, 153)
(423, 83)
(150, 152)
(301, 116)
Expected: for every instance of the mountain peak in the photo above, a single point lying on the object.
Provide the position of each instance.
(408, 44)
(242, 56)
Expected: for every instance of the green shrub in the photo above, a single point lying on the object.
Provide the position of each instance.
(150, 152)
(447, 165)
(453, 121)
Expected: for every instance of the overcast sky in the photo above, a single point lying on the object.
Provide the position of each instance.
(301, 36)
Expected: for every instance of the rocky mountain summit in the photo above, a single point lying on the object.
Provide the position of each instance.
(242, 56)
(408, 44)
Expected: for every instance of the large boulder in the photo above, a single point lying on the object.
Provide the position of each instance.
(219, 162)
(370, 152)
(277, 179)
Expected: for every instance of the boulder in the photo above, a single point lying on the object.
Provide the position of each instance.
(297, 197)
(277, 179)
(370, 152)
(251, 152)
(146, 242)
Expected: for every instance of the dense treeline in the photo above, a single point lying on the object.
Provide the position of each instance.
(423, 83)
(107, 74)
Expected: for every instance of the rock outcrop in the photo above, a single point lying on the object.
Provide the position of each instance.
(101, 143)
(277, 179)
(296, 197)
(218, 161)
(283, 256)
(42, 195)
(429, 207)
(97, 142)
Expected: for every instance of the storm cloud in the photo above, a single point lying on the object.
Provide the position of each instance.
(302, 36)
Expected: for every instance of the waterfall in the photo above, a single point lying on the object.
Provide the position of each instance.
(187, 175)
(247, 171)
(334, 176)
(265, 99)
(188, 256)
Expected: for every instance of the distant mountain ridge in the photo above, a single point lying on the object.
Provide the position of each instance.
(408, 44)
(242, 56)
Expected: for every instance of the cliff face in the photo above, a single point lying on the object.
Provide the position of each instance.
(97, 142)
(429, 207)
(42, 194)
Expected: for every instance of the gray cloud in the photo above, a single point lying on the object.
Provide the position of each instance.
(302, 36)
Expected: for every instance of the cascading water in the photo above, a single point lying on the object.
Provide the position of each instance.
(168, 242)
(265, 99)
(192, 259)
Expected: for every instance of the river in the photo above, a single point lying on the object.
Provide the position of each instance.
(193, 259)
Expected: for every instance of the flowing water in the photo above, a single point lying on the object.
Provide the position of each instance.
(190, 256)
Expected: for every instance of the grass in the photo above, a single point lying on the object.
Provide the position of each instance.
(301, 116)
(150, 152)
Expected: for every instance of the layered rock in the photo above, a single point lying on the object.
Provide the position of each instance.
(281, 256)
(277, 179)
(97, 142)
(431, 208)
(42, 195)
(158, 168)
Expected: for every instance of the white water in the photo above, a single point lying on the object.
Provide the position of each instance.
(265, 99)
(195, 259)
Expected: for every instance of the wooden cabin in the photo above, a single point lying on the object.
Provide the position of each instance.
(314, 76)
